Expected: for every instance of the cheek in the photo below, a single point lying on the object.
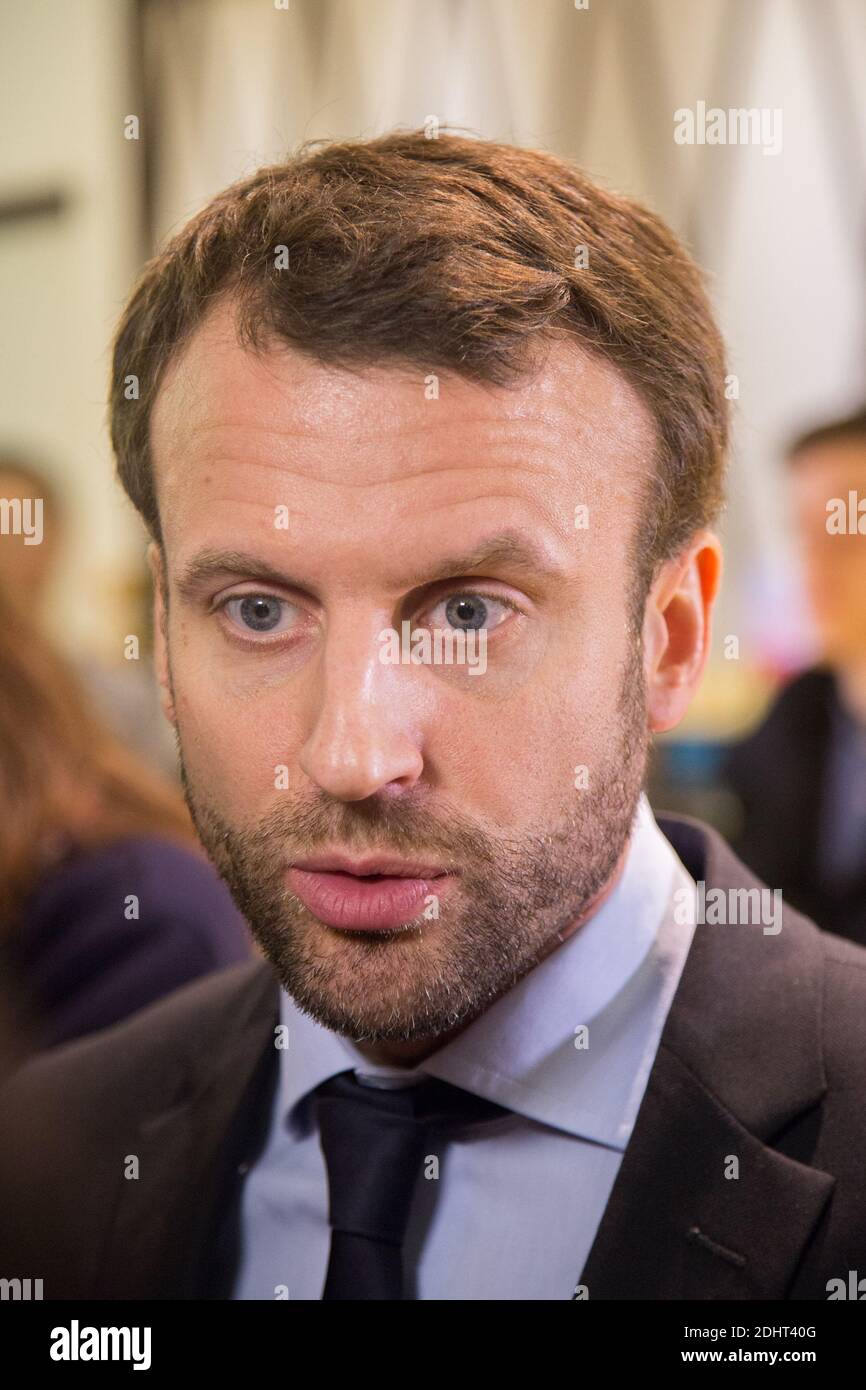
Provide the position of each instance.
(837, 591)
(520, 763)
(233, 745)
(856, 587)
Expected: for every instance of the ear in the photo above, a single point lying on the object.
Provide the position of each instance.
(156, 561)
(677, 629)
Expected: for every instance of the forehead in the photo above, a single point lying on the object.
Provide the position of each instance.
(822, 463)
(282, 426)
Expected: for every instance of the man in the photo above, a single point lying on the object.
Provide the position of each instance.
(801, 776)
(444, 387)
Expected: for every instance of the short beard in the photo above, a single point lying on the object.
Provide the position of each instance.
(512, 899)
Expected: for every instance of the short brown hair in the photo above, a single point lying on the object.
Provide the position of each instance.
(840, 431)
(446, 253)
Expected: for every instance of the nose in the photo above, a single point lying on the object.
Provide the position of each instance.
(365, 737)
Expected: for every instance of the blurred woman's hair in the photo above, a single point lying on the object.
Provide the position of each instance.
(66, 782)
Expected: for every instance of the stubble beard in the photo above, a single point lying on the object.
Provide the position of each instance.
(513, 895)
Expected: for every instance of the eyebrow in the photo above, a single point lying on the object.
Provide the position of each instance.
(507, 548)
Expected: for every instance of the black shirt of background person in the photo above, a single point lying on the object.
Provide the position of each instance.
(800, 779)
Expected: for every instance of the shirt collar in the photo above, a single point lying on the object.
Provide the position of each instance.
(615, 977)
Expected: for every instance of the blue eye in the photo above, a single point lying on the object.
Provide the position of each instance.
(471, 612)
(256, 612)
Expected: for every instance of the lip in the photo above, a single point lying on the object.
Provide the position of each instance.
(376, 894)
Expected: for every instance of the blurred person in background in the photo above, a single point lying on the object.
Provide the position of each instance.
(801, 776)
(124, 694)
(106, 902)
(26, 568)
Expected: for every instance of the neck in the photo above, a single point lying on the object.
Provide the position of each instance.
(409, 1054)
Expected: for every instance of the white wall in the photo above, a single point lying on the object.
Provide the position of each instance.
(64, 91)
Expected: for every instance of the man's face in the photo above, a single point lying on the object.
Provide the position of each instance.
(306, 510)
(835, 560)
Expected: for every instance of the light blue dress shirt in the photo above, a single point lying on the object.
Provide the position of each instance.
(517, 1202)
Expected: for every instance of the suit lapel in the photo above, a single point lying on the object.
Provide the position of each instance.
(677, 1227)
(739, 1063)
(186, 1151)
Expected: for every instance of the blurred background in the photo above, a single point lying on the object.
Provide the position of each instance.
(122, 117)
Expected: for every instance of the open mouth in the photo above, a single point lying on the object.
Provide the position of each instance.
(367, 901)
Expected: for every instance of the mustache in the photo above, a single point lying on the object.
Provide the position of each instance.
(372, 826)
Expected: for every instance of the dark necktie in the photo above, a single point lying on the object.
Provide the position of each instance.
(375, 1140)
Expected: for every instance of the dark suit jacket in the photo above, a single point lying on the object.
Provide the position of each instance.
(762, 1058)
(778, 774)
